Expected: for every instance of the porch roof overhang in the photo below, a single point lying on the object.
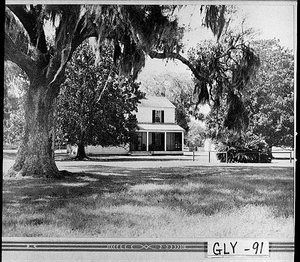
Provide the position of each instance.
(160, 128)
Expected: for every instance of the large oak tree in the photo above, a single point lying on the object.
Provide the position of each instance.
(134, 30)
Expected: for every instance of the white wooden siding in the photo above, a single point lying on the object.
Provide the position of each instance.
(144, 114)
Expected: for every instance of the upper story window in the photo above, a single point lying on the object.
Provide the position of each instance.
(157, 116)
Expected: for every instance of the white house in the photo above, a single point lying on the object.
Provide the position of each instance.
(157, 131)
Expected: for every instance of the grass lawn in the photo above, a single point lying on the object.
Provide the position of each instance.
(116, 201)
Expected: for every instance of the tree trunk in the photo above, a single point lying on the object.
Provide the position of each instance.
(35, 155)
(81, 152)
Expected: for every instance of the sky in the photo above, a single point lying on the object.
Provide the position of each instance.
(273, 21)
(269, 19)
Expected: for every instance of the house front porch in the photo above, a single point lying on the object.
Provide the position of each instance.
(158, 139)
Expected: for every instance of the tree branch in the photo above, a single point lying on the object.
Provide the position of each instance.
(13, 53)
(64, 37)
(83, 32)
(32, 25)
(197, 74)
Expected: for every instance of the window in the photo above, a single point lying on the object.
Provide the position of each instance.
(174, 141)
(157, 116)
(139, 142)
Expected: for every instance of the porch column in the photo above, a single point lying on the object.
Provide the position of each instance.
(147, 141)
(165, 141)
(182, 138)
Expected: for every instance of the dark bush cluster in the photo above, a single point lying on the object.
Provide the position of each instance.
(244, 149)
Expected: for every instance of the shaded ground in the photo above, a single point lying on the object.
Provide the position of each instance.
(126, 199)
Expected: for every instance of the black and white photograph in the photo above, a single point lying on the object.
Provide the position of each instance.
(149, 130)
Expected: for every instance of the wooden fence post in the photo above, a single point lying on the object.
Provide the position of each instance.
(193, 154)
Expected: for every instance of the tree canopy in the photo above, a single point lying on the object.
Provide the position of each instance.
(227, 67)
(271, 94)
(269, 98)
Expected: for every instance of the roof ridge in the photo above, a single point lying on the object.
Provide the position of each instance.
(156, 101)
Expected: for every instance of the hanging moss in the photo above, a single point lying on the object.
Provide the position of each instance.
(237, 115)
(200, 95)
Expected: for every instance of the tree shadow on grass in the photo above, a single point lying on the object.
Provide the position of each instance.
(114, 197)
(72, 185)
(194, 190)
(100, 193)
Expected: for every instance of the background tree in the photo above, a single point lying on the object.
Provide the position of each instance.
(271, 95)
(96, 106)
(196, 135)
(15, 86)
(269, 99)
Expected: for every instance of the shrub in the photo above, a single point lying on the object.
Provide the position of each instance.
(246, 148)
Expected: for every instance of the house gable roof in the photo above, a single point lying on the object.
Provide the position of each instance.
(156, 102)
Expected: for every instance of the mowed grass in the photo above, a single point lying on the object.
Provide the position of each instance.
(200, 201)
